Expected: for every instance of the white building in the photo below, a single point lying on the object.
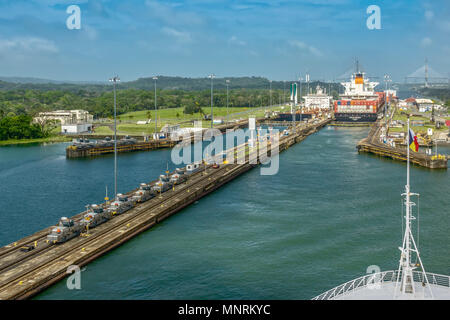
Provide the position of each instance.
(66, 116)
(319, 100)
(424, 105)
(76, 128)
(390, 92)
(72, 121)
(168, 129)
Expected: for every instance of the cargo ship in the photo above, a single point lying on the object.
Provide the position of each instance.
(299, 116)
(359, 102)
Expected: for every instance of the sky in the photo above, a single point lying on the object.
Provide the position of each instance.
(277, 39)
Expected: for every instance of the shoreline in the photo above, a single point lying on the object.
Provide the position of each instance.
(52, 139)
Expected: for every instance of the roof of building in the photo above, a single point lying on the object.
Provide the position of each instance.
(428, 101)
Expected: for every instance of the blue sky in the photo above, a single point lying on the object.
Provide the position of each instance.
(279, 39)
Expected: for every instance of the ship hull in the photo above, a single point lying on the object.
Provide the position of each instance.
(355, 117)
(288, 116)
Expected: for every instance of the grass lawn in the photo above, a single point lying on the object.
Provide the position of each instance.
(416, 129)
(169, 116)
(25, 141)
(171, 113)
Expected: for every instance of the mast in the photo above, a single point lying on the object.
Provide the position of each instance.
(405, 270)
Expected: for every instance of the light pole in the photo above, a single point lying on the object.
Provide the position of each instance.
(212, 76)
(114, 80)
(386, 80)
(228, 83)
(300, 82)
(156, 110)
(307, 80)
(270, 90)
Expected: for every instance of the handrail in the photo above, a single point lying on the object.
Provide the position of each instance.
(378, 278)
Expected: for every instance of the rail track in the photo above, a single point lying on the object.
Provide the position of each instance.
(30, 267)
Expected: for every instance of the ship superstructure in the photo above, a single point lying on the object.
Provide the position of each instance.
(359, 102)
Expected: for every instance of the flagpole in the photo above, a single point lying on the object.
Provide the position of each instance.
(407, 277)
(407, 150)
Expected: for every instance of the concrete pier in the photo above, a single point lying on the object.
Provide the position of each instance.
(372, 145)
(77, 152)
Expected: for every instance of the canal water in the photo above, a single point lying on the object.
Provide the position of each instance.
(325, 217)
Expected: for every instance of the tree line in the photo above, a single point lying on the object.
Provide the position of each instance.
(20, 127)
(100, 104)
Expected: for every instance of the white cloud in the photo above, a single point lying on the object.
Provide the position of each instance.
(429, 14)
(305, 47)
(180, 36)
(173, 14)
(426, 42)
(90, 32)
(27, 45)
(236, 41)
(444, 25)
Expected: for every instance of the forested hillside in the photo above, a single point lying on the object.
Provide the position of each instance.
(172, 92)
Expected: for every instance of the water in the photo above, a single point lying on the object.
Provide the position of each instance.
(322, 220)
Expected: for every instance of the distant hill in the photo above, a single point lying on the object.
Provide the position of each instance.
(442, 94)
(197, 84)
(163, 82)
(26, 80)
(41, 81)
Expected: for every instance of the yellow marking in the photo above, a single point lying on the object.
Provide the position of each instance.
(20, 282)
(83, 249)
(128, 225)
(15, 244)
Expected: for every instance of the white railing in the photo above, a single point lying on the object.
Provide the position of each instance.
(378, 278)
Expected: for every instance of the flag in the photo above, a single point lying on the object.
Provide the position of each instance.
(413, 144)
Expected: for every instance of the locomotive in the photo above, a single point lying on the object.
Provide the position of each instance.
(97, 214)
(144, 193)
(65, 230)
(178, 177)
(120, 205)
(163, 184)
